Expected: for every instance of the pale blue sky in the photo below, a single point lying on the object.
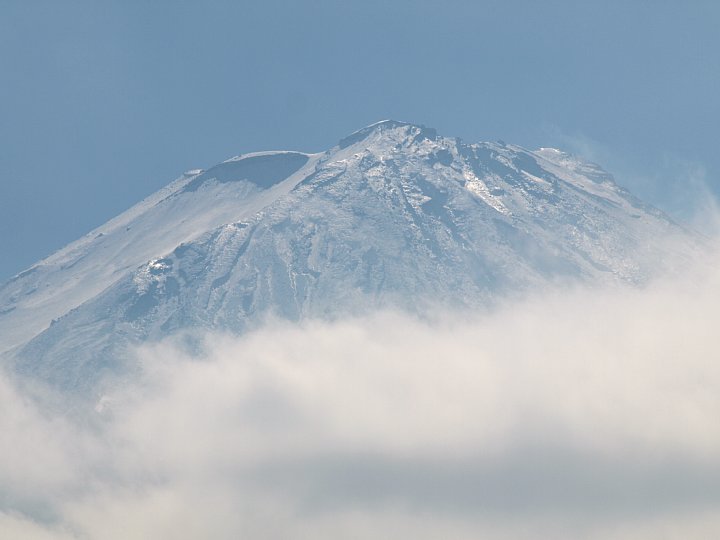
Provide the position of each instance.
(103, 103)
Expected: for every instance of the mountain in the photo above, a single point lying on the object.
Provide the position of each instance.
(393, 216)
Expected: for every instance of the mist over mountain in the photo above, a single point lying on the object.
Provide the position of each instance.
(406, 335)
(230, 311)
(394, 216)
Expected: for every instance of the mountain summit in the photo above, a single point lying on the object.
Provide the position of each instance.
(394, 215)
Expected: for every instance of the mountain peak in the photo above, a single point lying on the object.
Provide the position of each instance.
(390, 127)
(393, 217)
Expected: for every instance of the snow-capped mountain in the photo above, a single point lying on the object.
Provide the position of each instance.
(393, 216)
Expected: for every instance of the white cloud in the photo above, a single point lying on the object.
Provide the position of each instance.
(586, 413)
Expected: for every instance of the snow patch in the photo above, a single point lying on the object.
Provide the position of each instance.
(476, 186)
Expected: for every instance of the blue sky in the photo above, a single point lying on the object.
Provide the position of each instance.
(103, 103)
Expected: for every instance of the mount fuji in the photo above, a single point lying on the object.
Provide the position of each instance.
(393, 216)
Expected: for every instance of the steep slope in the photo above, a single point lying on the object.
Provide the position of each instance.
(394, 215)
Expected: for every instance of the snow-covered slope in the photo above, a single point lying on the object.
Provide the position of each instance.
(394, 215)
(191, 205)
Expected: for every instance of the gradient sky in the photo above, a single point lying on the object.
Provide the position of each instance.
(103, 103)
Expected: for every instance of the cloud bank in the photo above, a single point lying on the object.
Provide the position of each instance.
(583, 413)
